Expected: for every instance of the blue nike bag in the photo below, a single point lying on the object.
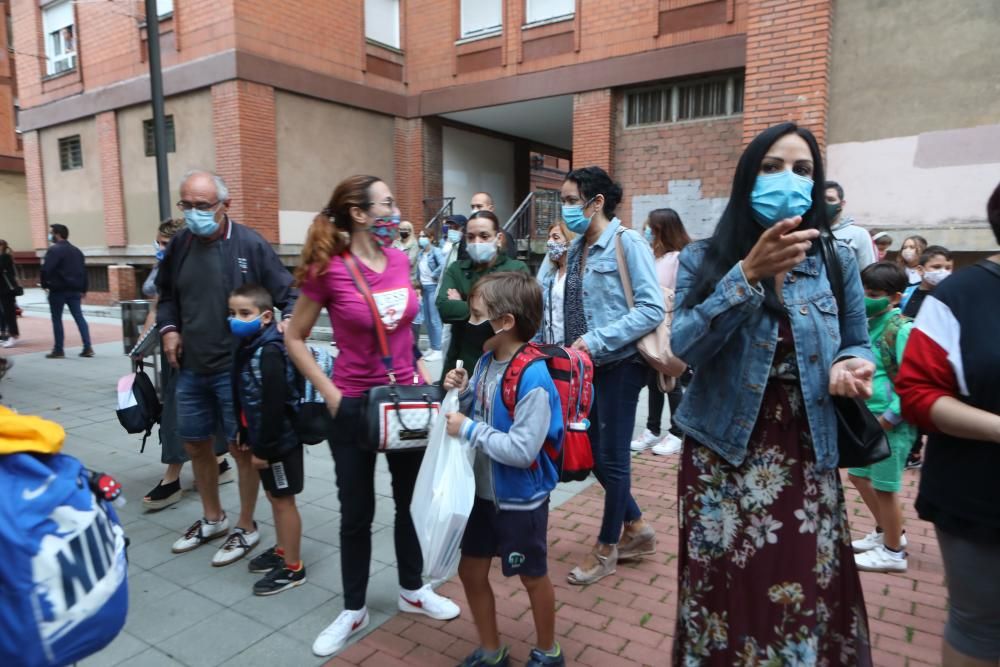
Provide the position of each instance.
(63, 586)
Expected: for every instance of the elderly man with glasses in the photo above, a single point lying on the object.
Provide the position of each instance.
(204, 262)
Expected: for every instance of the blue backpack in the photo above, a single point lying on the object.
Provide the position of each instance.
(63, 587)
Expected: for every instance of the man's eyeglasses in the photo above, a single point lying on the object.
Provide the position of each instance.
(198, 206)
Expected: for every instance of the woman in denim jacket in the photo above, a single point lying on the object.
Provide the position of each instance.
(766, 567)
(598, 320)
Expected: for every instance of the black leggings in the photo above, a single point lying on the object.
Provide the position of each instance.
(355, 468)
(674, 397)
(8, 314)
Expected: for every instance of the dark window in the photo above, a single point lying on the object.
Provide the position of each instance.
(714, 97)
(147, 131)
(70, 153)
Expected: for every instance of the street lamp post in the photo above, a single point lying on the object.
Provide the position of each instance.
(159, 119)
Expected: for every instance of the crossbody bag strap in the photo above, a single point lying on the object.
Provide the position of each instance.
(623, 269)
(381, 337)
(992, 267)
(835, 274)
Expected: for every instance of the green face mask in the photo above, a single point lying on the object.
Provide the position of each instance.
(875, 307)
(832, 211)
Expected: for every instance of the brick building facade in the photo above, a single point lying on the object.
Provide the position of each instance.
(440, 97)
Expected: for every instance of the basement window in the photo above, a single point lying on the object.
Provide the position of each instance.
(70, 153)
(698, 99)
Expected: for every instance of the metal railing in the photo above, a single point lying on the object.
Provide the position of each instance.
(436, 209)
(529, 225)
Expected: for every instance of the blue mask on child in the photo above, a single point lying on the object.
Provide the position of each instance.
(244, 328)
(779, 196)
(160, 254)
(423, 242)
(648, 233)
(454, 236)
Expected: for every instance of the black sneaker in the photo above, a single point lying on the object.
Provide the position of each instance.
(266, 562)
(87, 352)
(477, 659)
(55, 354)
(539, 659)
(279, 579)
(913, 462)
(163, 495)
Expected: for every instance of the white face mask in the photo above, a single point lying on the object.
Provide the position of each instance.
(909, 254)
(935, 277)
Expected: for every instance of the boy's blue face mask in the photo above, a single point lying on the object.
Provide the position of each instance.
(779, 196)
(245, 328)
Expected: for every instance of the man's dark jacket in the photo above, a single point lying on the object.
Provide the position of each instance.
(248, 259)
(64, 269)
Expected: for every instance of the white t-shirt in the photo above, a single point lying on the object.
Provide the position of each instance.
(557, 329)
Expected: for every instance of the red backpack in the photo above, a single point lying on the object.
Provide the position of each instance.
(573, 374)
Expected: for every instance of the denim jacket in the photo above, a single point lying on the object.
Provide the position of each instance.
(730, 340)
(613, 328)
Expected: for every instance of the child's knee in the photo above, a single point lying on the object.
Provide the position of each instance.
(535, 583)
(473, 570)
(283, 502)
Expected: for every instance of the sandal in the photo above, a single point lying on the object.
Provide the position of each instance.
(635, 546)
(604, 566)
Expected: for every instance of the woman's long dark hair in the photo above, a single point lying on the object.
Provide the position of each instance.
(737, 231)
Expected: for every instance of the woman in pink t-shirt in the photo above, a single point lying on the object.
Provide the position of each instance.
(362, 218)
(666, 234)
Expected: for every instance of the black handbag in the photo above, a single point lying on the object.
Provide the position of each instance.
(14, 288)
(861, 440)
(396, 416)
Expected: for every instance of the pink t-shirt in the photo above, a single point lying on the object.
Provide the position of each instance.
(666, 269)
(359, 365)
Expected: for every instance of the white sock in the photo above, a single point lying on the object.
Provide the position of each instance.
(408, 593)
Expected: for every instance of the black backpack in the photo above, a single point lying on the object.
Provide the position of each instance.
(144, 412)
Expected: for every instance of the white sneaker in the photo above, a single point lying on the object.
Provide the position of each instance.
(669, 445)
(201, 531)
(333, 638)
(872, 540)
(433, 355)
(426, 601)
(881, 559)
(237, 545)
(644, 442)
(10, 342)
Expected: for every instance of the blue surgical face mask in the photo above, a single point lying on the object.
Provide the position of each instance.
(574, 218)
(779, 196)
(159, 254)
(482, 253)
(245, 328)
(454, 235)
(648, 233)
(52, 239)
(423, 241)
(201, 223)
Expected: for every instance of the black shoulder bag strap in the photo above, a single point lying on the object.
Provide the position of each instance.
(834, 273)
(992, 267)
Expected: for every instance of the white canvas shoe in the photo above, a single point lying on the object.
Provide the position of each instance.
(426, 601)
(644, 441)
(200, 532)
(237, 545)
(872, 540)
(881, 559)
(669, 445)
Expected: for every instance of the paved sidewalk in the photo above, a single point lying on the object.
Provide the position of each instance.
(182, 611)
(628, 619)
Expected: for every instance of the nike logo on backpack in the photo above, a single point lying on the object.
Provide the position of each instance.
(31, 494)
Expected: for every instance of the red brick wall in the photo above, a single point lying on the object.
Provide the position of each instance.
(111, 179)
(419, 165)
(648, 158)
(788, 65)
(593, 131)
(36, 190)
(121, 283)
(246, 152)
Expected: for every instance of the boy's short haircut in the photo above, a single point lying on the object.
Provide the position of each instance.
(887, 277)
(934, 251)
(260, 297)
(515, 293)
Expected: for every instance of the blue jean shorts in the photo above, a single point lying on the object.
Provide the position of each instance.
(204, 403)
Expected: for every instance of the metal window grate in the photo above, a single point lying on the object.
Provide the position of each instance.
(70, 153)
(97, 278)
(148, 132)
(715, 97)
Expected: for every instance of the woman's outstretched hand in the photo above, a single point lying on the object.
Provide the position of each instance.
(779, 249)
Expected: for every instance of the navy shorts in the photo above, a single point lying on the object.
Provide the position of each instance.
(285, 477)
(519, 538)
(204, 403)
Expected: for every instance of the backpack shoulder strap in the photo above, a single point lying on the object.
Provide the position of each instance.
(907, 295)
(511, 381)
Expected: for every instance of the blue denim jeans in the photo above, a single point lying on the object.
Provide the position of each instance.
(432, 318)
(204, 404)
(57, 301)
(612, 420)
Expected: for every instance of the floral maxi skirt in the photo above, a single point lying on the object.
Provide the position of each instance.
(767, 573)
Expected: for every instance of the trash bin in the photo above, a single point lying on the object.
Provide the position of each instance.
(134, 315)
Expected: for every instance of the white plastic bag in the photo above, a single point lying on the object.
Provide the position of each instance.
(443, 496)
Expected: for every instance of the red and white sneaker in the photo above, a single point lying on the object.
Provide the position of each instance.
(333, 638)
(426, 601)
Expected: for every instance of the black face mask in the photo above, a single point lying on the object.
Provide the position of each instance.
(484, 328)
(404, 235)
